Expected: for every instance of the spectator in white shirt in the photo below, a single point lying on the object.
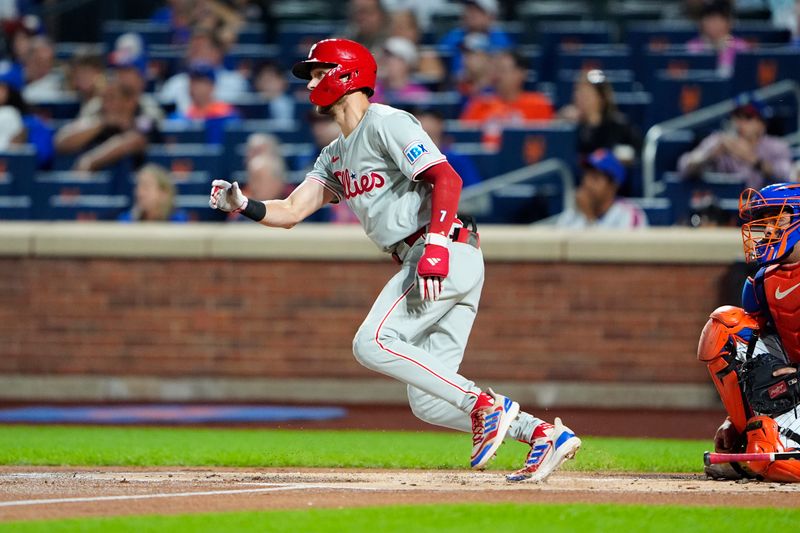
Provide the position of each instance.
(43, 82)
(596, 202)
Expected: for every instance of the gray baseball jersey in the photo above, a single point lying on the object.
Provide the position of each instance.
(375, 170)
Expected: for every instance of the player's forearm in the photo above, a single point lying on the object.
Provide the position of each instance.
(444, 198)
(281, 214)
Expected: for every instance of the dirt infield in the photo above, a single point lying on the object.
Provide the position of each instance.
(46, 493)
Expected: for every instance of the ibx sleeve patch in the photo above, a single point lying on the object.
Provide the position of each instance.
(414, 150)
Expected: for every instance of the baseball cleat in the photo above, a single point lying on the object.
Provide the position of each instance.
(491, 417)
(555, 444)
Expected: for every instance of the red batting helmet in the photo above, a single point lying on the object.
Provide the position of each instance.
(352, 68)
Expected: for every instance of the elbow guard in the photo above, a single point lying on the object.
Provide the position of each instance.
(727, 329)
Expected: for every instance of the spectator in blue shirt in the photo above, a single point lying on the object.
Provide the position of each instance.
(478, 17)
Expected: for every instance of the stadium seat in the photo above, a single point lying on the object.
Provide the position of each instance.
(674, 61)
(246, 57)
(649, 36)
(67, 195)
(658, 210)
(296, 38)
(562, 36)
(635, 106)
(758, 68)
(65, 107)
(671, 146)
(152, 32)
(522, 146)
(15, 207)
(680, 95)
(183, 158)
(17, 168)
(594, 56)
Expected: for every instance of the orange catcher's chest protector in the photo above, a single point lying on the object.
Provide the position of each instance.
(728, 328)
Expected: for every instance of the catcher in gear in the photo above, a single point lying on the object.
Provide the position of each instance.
(753, 352)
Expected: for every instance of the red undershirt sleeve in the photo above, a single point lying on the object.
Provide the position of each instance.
(446, 193)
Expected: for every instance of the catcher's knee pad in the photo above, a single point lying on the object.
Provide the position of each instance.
(763, 437)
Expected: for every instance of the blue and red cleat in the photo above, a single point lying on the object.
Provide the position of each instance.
(491, 417)
(551, 446)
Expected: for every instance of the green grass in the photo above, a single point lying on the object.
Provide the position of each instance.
(441, 518)
(97, 446)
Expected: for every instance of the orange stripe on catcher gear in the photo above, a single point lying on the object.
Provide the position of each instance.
(726, 330)
(763, 437)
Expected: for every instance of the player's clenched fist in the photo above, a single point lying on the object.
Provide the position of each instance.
(226, 196)
(433, 266)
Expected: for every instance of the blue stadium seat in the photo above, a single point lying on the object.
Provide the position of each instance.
(759, 33)
(563, 36)
(448, 103)
(152, 32)
(15, 207)
(182, 132)
(246, 57)
(724, 187)
(671, 146)
(594, 56)
(653, 36)
(17, 169)
(65, 107)
(636, 107)
(658, 210)
(252, 33)
(758, 68)
(236, 135)
(182, 158)
(680, 95)
(295, 39)
(196, 205)
(67, 195)
(676, 62)
(522, 146)
(457, 131)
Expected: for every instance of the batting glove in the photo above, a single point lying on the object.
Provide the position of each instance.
(433, 266)
(227, 197)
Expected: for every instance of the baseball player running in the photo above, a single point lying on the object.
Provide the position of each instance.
(405, 194)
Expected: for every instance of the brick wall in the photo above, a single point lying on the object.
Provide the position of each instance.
(272, 318)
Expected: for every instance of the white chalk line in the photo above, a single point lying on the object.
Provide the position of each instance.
(90, 499)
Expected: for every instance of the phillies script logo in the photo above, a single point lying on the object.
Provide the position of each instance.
(356, 186)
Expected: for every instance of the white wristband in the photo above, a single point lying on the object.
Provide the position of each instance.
(437, 238)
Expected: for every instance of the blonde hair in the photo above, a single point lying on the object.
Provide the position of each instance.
(164, 183)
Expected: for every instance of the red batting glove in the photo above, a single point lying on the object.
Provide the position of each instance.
(433, 266)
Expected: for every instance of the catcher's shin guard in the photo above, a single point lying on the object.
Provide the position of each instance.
(763, 437)
(717, 348)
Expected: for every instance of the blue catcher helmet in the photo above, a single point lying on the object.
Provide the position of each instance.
(771, 222)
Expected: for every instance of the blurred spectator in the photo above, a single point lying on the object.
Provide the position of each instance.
(204, 48)
(705, 211)
(596, 202)
(184, 16)
(476, 76)
(421, 10)
(266, 177)
(35, 130)
(429, 65)
(432, 122)
(271, 83)
(398, 61)
(204, 107)
(261, 144)
(747, 151)
(479, 16)
(85, 77)
(786, 14)
(12, 109)
(511, 104)
(128, 66)
(19, 34)
(117, 130)
(716, 19)
(42, 82)
(600, 124)
(154, 198)
(368, 23)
